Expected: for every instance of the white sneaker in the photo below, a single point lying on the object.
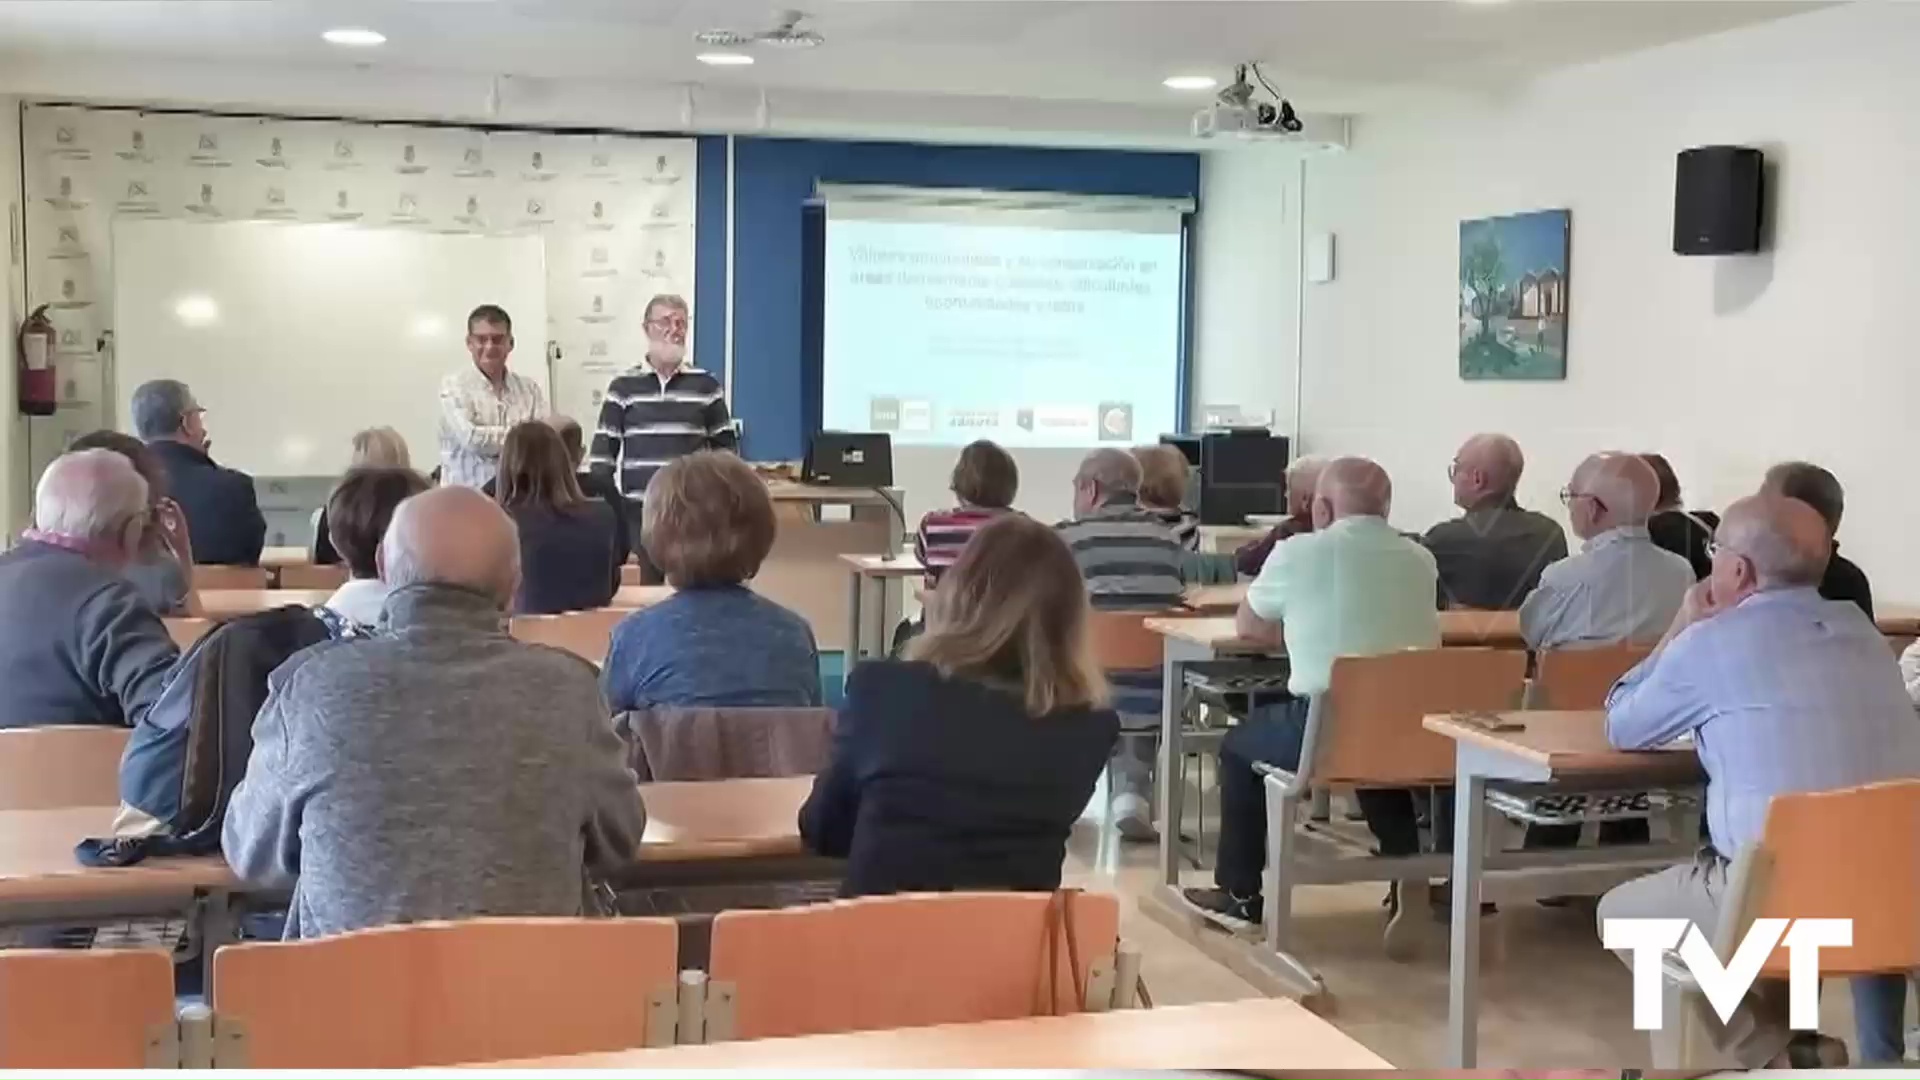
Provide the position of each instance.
(1133, 819)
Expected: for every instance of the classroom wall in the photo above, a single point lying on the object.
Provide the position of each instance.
(15, 504)
(1247, 271)
(1723, 364)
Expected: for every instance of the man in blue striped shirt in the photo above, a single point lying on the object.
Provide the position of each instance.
(1782, 692)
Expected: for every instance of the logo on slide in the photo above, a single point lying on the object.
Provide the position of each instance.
(1116, 421)
(884, 413)
(1024, 418)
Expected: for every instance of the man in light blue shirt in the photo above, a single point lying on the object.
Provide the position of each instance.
(1621, 588)
(1352, 587)
(1782, 691)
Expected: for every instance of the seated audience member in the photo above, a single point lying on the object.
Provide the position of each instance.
(1686, 533)
(358, 515)
(985, 481)
(1131, 562)
(442, 770)
(163, 569)
(1621, 588)
(1782, 691)
(77, 643)
(1301, 477)
(1163, 492)
(1352, 587)
(966, 765)
(373, 448)
(715, 643)
(222, 511)
(1821, 490)
(1491, 557)
(596, 485)
(566, 539)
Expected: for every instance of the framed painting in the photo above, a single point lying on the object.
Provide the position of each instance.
(1513, 296)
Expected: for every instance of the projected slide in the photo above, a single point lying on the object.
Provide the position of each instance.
(942, 333)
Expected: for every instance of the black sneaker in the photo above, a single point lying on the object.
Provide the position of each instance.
(1223, 906)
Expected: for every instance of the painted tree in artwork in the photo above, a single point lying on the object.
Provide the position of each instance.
(1481, 271)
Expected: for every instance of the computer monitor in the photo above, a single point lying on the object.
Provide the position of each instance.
(1242, 471)
(857, 459)
(1186, 444)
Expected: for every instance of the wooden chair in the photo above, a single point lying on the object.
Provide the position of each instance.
(1580, 678)
(1848, 854)
(905, 961)
(309, 576)
(50, 767)
(1366, 732)
(186, 631)
(87, 1010)
(586, 634)
(230, 577)
(444, 993)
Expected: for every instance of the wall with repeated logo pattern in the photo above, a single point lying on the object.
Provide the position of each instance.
(616, 212)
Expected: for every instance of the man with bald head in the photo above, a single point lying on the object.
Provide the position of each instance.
(1302, 475)
(1621, 588)
(440, 769)
(1491, 556)
(1352, 587)
(1782, 691)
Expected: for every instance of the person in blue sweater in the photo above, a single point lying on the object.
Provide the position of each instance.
(965, 765)
(715, 643)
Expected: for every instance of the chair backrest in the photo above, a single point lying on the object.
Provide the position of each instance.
(903, 961)
(49, 767)
(1848, 854)
(1122, 642)
(229, 577)
(185, 630)
(445, 993)
(310, 576)
(722, 744)
(83, 1010)
(1580, 678)
(1368, 732)
(586, 634)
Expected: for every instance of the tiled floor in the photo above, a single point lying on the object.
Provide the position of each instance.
(1549, 995)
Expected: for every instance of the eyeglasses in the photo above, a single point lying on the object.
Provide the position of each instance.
(1567, 495)
(669, 322)
(1453, 469)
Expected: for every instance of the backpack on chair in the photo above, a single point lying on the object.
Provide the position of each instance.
(188, 753)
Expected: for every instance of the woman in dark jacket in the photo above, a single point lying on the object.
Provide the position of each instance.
(567, 558)
(965, 765)
(1683, 532)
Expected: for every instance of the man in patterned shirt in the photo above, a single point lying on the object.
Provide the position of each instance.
(479, 403)
(659, 410)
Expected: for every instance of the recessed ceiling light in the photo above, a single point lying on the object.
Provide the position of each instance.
(1191, 82)
(725, 59)
(354, 36)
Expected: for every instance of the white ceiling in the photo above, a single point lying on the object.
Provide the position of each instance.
(1328, 57)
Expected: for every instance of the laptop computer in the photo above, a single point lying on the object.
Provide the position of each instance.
(858, 459)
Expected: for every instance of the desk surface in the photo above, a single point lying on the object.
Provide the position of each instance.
(821, 494)
(1565, 742)
(37, 862)
(1499, 629)
(635, 597)
(1898, 620)
(885, 566)
(219, 604)
(274, 558)
(1216, 599)
(1262, 1033)
(726, 819)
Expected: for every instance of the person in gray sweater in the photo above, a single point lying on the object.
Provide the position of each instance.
(78, 645)
(440, 769)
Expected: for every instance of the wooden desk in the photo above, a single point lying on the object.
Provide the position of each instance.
(1216, 599)
(635, 597)
(41, 880)
(1898, 620)
(274, 558)
(1495, 629)
(1560, 748)
(804, 570)
(700, 821)
(883, 571)
(220, 605)
(1260, 1034)
(1226, 539)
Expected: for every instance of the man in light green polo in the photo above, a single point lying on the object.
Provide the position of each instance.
(1352, 587)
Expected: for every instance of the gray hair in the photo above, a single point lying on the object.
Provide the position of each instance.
(667, 300)
(1784, 538)
(91, 494)
(1355, 487)
(1116, 472)
(1812, 485)
(160, 408)
(452, 536)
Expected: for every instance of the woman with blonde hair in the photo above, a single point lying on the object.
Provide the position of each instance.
(373, 448)
(965, 765)
(1163, 490)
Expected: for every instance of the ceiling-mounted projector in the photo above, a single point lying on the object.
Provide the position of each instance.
(1235, 112)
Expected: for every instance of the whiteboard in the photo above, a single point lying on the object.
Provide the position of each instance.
(293, 336)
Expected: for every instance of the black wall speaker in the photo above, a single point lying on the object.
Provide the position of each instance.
(1716, 200)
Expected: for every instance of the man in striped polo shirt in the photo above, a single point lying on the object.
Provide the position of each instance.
(1131, 562)
(658, 411)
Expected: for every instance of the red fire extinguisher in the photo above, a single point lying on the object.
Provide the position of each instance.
(39, 389)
